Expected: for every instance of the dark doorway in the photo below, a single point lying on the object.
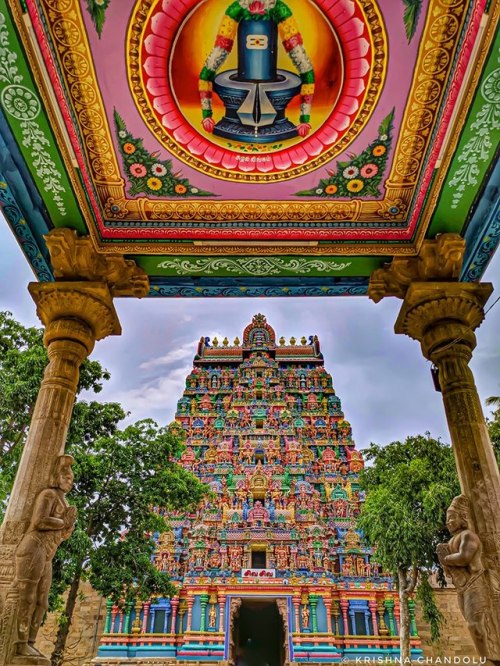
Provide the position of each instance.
(259, 635)
(258, 559)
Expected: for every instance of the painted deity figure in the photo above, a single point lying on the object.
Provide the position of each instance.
(305, 616)
(476, 589)
(212, 617)
(51, 523)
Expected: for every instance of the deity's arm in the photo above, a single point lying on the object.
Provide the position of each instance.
(294, 46)
(468, 547)
(218, 55)
(42, 518)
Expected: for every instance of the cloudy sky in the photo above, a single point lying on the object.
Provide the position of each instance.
(382, 379)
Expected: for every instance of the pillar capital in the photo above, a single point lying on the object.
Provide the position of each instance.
(438, 260)
(78, 311)
(438, 313)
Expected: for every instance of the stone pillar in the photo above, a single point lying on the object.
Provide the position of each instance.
(76, 310)
(203, 616)
(372, 604)
(383, 630)
(389, 605)
(114, 613)
(344, 607)
(175, 606)
(397, 618)
(328, 607)
(296, 607)
(107, 623)
(145, 617)
(336, 617)
(190, 603)
(222, 605)
(313, 601)
(127, 624)
(442, 314)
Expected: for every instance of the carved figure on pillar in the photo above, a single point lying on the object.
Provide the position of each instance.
(51, 523)
(461, 560)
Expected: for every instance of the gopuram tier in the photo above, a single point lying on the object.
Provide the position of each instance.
(272, 561)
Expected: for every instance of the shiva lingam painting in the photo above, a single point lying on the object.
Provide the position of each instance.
(257, 93)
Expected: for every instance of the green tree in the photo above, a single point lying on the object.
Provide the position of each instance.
(409, 487)
(494, 424)
(120, 475)
(23, 359)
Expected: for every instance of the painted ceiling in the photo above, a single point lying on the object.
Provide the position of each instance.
(253, 147)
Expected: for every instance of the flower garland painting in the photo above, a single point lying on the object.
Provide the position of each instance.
(146, 173)
(363, 173)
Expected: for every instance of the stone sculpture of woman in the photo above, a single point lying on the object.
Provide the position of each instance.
(476, 590)
(51, 523)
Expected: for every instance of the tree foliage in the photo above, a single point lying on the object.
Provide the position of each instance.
(494, 425)
(409, 487)
(23, 359)
(120, 476)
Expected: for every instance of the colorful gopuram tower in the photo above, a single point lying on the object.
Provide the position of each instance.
(272, 562)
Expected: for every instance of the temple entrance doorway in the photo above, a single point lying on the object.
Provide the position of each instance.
(259, 634)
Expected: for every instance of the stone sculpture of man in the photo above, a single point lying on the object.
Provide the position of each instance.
(461, 560)
(51, 523)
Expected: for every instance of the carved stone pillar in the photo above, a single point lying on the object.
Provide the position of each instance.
(190, 603)
(344, 607)
(145, 617)
(107, 624)
(372, 604)
(442, 314)
(175, 606)
(313, 601)
(76, 310)
(222, 605)
(328, 608)
(203, 617)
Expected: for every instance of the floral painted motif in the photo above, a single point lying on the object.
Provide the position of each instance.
(146, 173)
(24, 106)
(363, 173)
(97, 10)
(253, 265)
(479, 147)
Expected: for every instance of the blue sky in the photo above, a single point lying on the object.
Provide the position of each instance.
(382, 379)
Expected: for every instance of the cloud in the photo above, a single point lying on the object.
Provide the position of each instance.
(160, 394)
(186, 350)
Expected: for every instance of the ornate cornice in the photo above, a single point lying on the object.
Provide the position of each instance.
(75, 258)
(439, 260)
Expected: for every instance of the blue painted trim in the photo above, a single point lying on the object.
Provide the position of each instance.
(483, 232)
(270, 287)
(22, 204)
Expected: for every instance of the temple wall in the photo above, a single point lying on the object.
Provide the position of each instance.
(85, 632)
(455, 639)
(90, 611)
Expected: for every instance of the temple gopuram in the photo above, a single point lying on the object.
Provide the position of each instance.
(272, 559)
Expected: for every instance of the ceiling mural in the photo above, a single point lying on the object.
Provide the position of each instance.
(253, 119)
(240, 140)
